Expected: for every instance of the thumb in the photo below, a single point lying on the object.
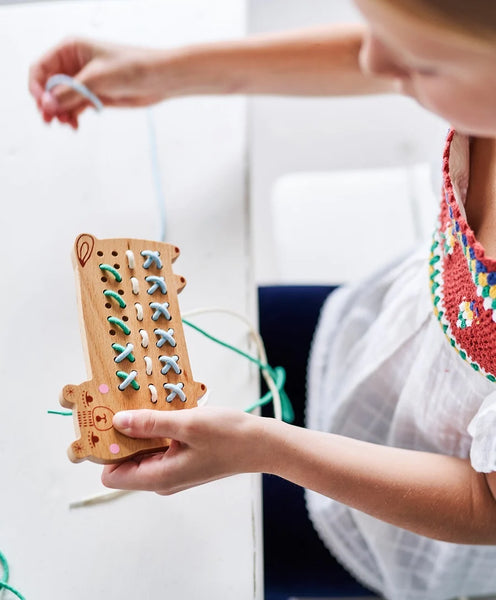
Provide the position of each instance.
(147, 423)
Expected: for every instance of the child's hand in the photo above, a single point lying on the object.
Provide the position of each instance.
(208, 444)
(117, 75)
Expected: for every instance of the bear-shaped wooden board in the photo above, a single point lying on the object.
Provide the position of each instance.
(133, 341)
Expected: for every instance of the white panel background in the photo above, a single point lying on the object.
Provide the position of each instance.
(54, 184)
(289, 135)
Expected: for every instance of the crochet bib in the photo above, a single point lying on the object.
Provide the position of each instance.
(463, 283)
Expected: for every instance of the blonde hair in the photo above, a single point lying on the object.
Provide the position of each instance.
(475, 19)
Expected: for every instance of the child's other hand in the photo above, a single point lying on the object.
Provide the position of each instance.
(208, 443)
(118, 75)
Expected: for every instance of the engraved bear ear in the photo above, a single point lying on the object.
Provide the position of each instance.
(68, 396)
(180, 283)
(84, 246)
(77, 451)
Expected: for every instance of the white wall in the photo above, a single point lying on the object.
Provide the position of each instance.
(315, 135)
(55, 184)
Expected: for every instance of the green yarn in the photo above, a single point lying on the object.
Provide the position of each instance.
(123, 375)
(116, 297)
(119, 323)
(120, 349)
(111, 269)
(4, 581)
(278, 374)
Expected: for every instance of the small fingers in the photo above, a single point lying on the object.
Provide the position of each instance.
(36, 90)
(63, 58)
(69, 57)
(124, 476)
(147, 473)
(49, 104)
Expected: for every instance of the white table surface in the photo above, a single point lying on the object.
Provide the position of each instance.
(54, 184)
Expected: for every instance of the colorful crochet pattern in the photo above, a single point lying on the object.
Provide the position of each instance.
(463, 283)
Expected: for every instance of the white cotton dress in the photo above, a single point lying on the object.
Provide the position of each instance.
(382, 370)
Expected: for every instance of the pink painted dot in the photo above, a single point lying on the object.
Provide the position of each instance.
(103, 388)
(114, 448)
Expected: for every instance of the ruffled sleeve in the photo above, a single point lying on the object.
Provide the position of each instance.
(482, 428)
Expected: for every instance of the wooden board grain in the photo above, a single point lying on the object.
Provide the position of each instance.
(127, 294)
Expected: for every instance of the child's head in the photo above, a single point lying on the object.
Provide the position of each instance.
(443, 53)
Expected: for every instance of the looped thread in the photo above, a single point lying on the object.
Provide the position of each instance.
(169, 362)
(153, 393)
(119, 323)
(4, 581)
(125, 352)
(158, 282)
(115, 296)
(152, 257)
(160, 310)
(62, 79)
(148, 365)
(135, 285)
(144, 338)
(111, 269)
(176, 389)
(129, 379)
(165, 336)
(139, 311)
(130, 258)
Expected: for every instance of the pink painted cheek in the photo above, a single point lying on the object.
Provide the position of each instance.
(114, 448)
(103, 388)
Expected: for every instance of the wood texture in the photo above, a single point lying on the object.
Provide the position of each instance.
(101, 296)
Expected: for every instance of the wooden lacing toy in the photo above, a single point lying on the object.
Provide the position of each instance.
(133, 340)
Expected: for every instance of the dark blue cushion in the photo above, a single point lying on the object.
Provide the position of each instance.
(296, 563)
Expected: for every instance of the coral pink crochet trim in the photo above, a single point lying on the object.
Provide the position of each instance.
(463, 283)
(452, 201)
